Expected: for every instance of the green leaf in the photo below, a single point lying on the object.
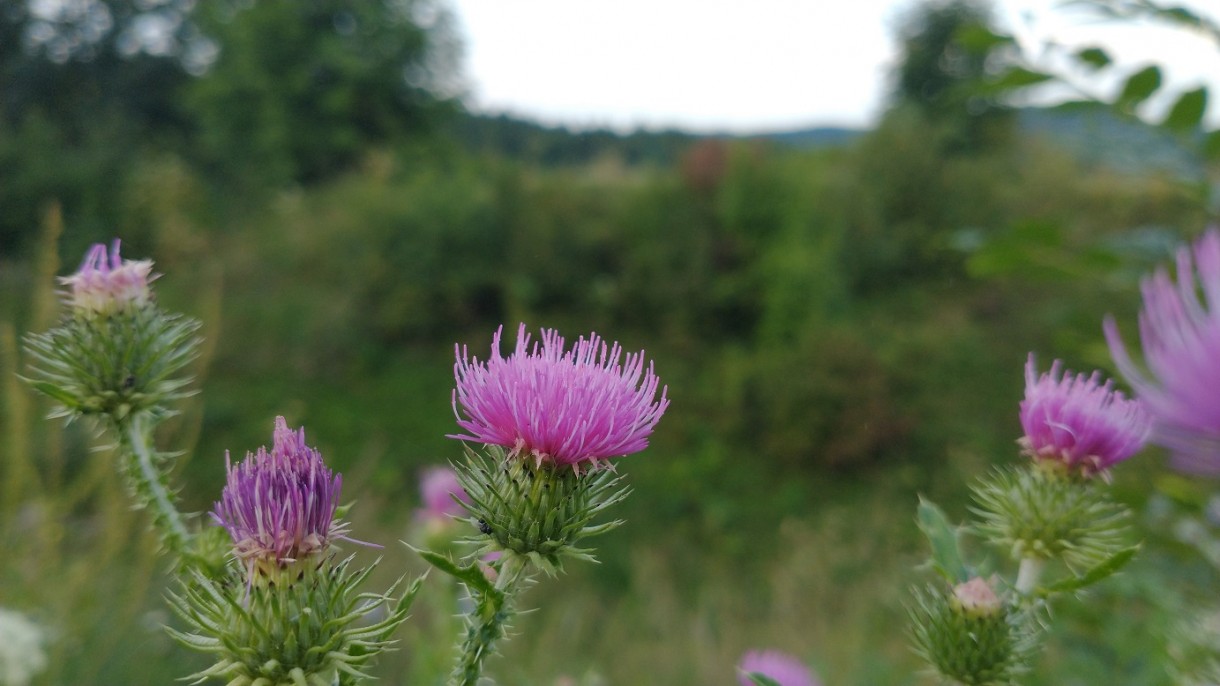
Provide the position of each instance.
(69, 400)
(1016, 78)
(944, 538)
(1080, 106)
(1102, 570)
(472, 575)
(1139, 87)
(979, 39)
(1211, 146)
(761, 679)
(1094, 57)
(1188, 111)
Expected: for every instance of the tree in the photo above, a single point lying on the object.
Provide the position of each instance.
(87, 86)
(949, 52)
(302, 88)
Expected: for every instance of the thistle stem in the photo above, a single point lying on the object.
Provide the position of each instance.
(488, 621)
(1028, 574)
(149, 485)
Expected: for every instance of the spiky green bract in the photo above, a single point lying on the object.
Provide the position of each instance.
(318, 631)
(537, 510)
(969, 647)
(1040, 514)
(122, 367)
(114, 365)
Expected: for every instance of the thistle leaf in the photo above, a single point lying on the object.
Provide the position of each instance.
(945, 541)
(471, 575)
(1098, 572)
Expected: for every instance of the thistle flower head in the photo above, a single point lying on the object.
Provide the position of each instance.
(1078, 421)
(1179, 328)
(779, 667)
(568, 407)
(107, 284)
(279, 507)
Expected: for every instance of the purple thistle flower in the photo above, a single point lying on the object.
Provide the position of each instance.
(439, 486)
(567, 407)
(782, 668)
(1078, 421)
(279, 506)
(1180, 336)
(104, 286)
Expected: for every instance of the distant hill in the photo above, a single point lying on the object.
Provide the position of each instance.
(817, 137)
(1097, 136)
(529, 141)
(1094, 135)
(558, 146)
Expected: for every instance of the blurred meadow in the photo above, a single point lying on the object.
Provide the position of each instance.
(841, 318)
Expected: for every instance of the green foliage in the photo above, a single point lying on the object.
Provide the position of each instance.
(1187, 113)
(1094, 57)
(303, 90)
(1156, 11)
(949, 51)
(1138, 87)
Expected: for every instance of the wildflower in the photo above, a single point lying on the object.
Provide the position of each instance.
(21, 649)
(279, 507)
(106, 286)
(1180, 336)
(303, 620)
(1079, 422)
(573, 407)
(779, 667)
(442, 494)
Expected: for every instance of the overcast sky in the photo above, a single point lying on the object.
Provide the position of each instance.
(747, 65)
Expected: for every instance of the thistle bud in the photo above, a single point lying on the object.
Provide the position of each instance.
(279, 508)
(116, 354)
(969, 635)
(106, 285)
(539, 511)
(284, 613)
(976, 598)
(1030, 513)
